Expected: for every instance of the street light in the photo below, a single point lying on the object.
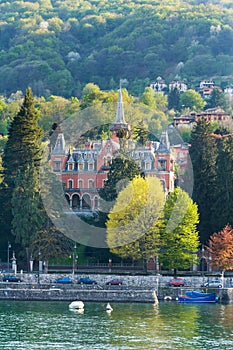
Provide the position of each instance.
(74, 258)
(8, 256)
(39, 254)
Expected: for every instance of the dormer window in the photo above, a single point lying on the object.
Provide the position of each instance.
(80, 166)
(90, 166)
(71, 163)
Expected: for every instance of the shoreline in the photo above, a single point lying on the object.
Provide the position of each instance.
(95, 295)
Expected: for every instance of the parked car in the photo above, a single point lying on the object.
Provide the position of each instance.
(86, 280)
(115, 281)
(64, 280)
(214, 283)
(11, 278)
(177, 282)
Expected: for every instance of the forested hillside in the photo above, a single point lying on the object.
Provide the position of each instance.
(58, 46)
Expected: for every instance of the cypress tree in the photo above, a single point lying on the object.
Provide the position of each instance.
(122, 170)
(224, 198)
(21, 161)
(174, 99)
(203, 153)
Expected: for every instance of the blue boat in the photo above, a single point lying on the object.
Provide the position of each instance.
(198, 297)
(197, 294)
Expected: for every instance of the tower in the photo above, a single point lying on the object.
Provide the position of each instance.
(120, 129)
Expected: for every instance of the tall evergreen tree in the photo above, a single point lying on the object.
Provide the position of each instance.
(224, 197)
(217, 99)
(123, 169)
(174, 99)
(203, 153)
(21, 161)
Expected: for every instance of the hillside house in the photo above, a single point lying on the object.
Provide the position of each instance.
(210, 114)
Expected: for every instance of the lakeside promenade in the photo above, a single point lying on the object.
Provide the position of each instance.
(142, 289)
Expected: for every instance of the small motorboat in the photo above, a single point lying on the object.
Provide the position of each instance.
(77, 305)
(198, 294)
(109, 308)
(198, 297)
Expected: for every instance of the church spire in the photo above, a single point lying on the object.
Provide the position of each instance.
(120, 118)
(120, 127)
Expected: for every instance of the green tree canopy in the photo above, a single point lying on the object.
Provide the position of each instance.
(217, 99)
(122, 170)
(191, 99)
(148, 98)
(21, 161)
(174, 99)
(203, 153)
(178, 229)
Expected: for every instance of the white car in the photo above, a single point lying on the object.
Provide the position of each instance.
(215, 283)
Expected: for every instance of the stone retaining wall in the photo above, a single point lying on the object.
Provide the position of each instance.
(145, 296)
(103, 295)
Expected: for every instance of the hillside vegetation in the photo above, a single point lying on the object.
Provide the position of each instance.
(58, 46)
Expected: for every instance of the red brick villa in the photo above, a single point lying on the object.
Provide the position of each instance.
(83, 171)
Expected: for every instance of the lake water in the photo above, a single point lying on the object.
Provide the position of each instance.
(52, 326)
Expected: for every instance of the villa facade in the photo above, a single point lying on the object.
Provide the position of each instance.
(83, 171)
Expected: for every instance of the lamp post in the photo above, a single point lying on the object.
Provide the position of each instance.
(74, 259)
(202, 259)
(39, 254)
(14, 265)
(8, 255)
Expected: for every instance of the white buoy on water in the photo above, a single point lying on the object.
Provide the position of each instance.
(109, 308)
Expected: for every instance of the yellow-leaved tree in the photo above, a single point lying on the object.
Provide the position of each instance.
(132, 223)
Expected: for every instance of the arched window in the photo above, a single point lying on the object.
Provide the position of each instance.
(91, 183)
(86, 202)
(76, 201)
(70, 183)
(80, 184)
(67, 198)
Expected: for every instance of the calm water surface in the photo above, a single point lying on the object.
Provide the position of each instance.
(51, 325)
